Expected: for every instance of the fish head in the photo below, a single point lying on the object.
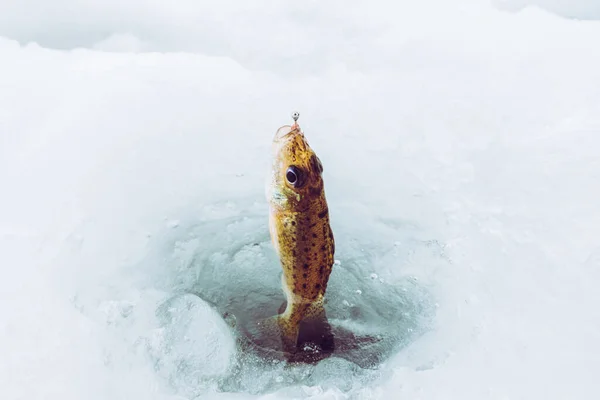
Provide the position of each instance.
(296, 173)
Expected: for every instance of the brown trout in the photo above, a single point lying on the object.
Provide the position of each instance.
(301, 234)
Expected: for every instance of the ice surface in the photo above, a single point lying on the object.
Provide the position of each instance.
(229, 263)
(460, 151)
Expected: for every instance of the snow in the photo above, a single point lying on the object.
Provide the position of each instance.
(460, 151)
(578, 9)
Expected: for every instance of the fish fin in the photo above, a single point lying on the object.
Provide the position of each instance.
(276, 333)
(289, 334)
(315, 329)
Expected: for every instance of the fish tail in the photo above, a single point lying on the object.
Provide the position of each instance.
(277, 332)
(307, 323)
(289, 329)
(316, 311)
(316, 328)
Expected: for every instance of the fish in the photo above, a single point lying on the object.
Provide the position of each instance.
(301, 234)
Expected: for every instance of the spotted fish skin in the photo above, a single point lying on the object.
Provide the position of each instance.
(300, 231)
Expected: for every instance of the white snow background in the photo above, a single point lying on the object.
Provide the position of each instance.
(134, 136)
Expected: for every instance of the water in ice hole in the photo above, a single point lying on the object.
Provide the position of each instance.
(228, 262)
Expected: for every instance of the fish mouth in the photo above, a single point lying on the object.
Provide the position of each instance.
(286, 131)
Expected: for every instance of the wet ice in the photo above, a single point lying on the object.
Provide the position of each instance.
(228, 264)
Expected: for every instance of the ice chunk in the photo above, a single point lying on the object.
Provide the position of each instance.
(194, 346)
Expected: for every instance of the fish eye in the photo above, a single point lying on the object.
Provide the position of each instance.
(294, 176)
